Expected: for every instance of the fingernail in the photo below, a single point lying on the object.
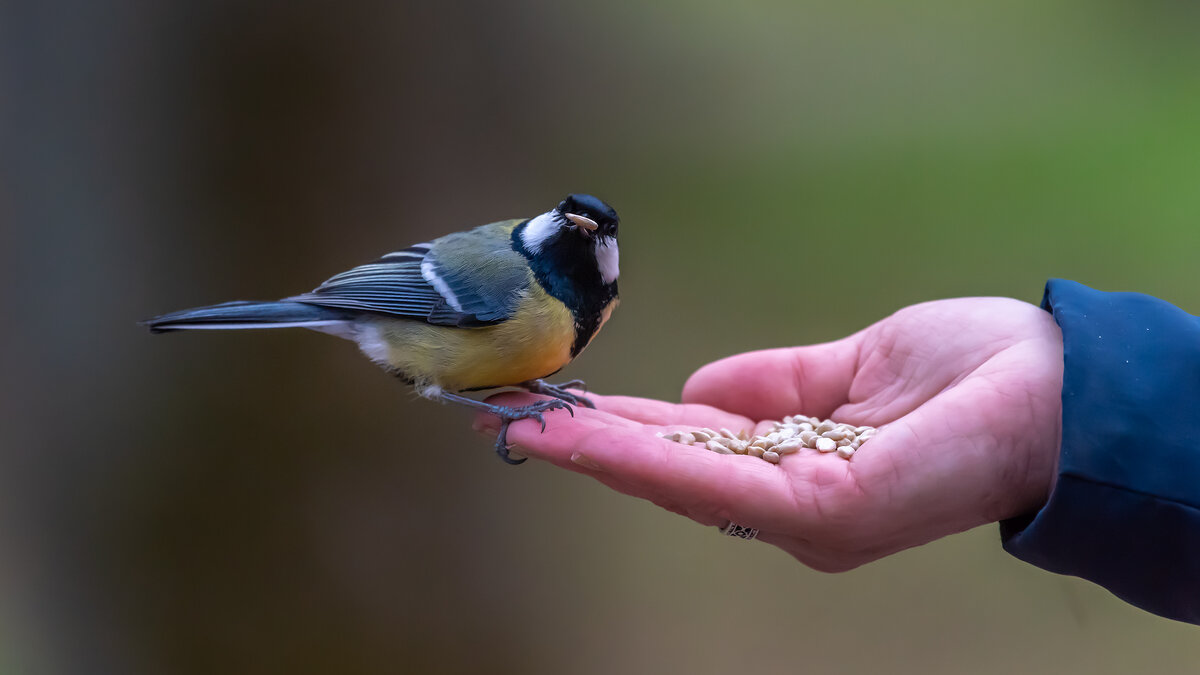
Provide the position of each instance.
(585, 461)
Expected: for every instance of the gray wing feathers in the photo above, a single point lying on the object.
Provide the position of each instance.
(484, 274)
(477, 280)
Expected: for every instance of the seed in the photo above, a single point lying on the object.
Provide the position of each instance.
(786, 437)
(718, 448)
(788, 447)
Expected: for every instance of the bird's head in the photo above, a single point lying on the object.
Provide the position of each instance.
(590, 215)
(581, 225)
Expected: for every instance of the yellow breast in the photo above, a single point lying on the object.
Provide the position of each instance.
(534, 343)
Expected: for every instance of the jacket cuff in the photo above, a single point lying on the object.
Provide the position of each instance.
(1125, 510)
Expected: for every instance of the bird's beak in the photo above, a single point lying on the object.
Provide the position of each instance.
(583, 222)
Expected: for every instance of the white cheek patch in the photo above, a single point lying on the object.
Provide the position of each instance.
(538, 230)
(608, 259)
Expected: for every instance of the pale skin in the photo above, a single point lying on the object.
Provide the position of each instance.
(969, 390)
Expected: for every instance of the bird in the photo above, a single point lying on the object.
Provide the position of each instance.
(507, 304)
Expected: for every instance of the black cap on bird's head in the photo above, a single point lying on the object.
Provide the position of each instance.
(590, 214)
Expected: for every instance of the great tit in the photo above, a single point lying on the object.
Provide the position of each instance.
(504, 304)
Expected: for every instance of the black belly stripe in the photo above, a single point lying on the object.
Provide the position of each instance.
(585, 330)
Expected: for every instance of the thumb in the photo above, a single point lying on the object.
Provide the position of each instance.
(771, 383)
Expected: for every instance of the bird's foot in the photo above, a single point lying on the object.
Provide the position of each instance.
(559, 391)
(509, 414)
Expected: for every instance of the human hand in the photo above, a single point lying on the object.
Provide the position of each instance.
(968, 390)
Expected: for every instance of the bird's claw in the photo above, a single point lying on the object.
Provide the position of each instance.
(535, 411)
(572, 384)
(559, 391)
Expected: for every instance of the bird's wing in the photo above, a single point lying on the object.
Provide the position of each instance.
(465, 279)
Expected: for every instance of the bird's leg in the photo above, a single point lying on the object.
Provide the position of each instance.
(559, 391)
(508, 415)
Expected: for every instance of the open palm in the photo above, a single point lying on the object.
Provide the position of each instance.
(967, 392)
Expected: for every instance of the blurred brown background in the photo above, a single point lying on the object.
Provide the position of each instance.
(787, 172)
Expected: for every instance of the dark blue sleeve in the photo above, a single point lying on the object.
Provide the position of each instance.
(1125, 511)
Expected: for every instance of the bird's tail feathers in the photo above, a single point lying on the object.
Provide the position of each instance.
(241, 314)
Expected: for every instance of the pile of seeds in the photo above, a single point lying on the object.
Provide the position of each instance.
(788, 436)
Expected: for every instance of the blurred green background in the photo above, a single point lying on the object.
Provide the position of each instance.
(786, 172)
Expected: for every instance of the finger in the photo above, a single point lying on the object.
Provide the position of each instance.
(634, 411)
(771, 383)
(662, 413)
(704, 485)
(516, 399)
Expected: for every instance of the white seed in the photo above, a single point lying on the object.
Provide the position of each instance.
(809, 438)
(826, 444)
(867, 434)
(686, 438)
(824, 426)
(772, 457)
(835, 434)
(845, 441)
(718, 448)
(702, 436)
(754, 450)
(739, 446)
(762, 442)
(788, 447)
(855, 443)
(845, 452)
(727, 433)
(806, 426)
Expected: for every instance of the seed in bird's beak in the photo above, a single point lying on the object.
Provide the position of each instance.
(583, 221)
